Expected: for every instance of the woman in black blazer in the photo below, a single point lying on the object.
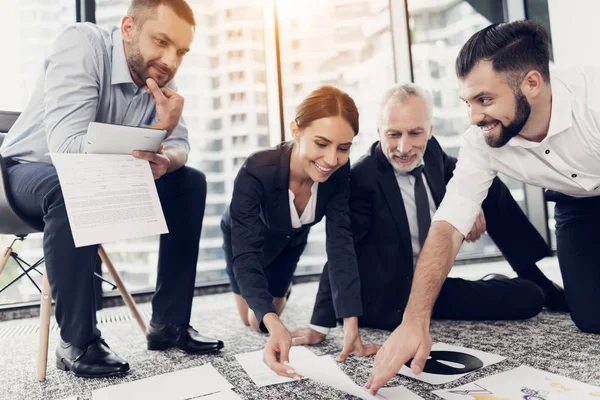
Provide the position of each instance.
(278, 194)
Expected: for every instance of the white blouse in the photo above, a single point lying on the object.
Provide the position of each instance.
(308, 216)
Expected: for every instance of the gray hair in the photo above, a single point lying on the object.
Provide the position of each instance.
(400, 93)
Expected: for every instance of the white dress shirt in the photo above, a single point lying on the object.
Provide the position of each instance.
(406, 182)
(308, 215)
(567, 160)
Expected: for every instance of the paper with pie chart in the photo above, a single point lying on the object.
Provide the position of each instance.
(447, 363)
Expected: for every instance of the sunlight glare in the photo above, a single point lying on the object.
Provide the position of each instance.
(287, 9)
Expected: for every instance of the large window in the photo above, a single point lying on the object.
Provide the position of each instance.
(340, 43)
(231, 81)
(28, 29)
(222, 80)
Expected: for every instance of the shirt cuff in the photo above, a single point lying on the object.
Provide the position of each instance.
(178, 142)
(320, 329)
(461, 214)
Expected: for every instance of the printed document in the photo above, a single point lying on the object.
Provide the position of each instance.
(109, 197)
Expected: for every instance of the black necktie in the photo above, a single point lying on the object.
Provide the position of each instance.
(422, 203)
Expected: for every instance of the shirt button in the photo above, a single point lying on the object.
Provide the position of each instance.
(287, 237)
(547, 152)
(573, 175)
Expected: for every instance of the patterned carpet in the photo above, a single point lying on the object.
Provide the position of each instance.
(549, 341)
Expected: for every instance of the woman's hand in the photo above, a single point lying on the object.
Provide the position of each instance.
(277, 351)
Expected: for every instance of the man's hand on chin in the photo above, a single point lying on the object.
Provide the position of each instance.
(169, 106)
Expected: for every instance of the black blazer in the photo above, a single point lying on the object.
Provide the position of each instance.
(382, 236)
(260, 225)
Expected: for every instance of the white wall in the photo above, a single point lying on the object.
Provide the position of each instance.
(575, 31)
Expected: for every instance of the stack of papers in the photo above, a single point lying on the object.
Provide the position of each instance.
(180, 385)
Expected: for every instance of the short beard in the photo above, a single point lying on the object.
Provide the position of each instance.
(404, 168)
(139, 66)
(136, 61)
(522, 113)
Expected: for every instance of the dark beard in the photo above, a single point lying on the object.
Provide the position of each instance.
(139, 67)
(522, 113)
(136, 65)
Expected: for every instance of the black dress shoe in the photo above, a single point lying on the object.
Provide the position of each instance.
(96, 360)
(183, 337)
(555, 297)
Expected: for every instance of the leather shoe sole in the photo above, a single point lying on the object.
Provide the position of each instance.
(157, 346)
(64, 367)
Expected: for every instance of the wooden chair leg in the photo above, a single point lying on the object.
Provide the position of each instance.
(124, 293)
(5, 258)
(45, 311)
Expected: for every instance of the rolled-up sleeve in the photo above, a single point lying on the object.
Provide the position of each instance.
(72, 75)
(341, 256)
(467, 189)
(247, 242)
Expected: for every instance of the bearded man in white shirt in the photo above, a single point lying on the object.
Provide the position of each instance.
(538, 129)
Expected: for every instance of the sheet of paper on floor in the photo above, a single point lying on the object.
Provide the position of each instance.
(109, 197)
(438, 379)
(326, 371)
(262, 375)
(179, 385)
(224, 395)
(522, 383)
(397, 393)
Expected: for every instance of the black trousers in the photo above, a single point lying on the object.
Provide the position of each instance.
(460, 299)
(36, 191)
(281, 262)
(577, 223)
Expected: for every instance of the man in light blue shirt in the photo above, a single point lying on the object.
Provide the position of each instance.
(119, 76)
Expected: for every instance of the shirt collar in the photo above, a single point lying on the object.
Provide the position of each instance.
(120, 68)
(405, 173)
(561, 116)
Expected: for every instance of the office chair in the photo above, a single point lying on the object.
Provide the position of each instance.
(13, 223)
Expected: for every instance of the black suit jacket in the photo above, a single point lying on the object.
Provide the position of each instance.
(382, 237)
(260, 225)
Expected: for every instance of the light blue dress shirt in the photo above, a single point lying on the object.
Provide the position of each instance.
(85, 78)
